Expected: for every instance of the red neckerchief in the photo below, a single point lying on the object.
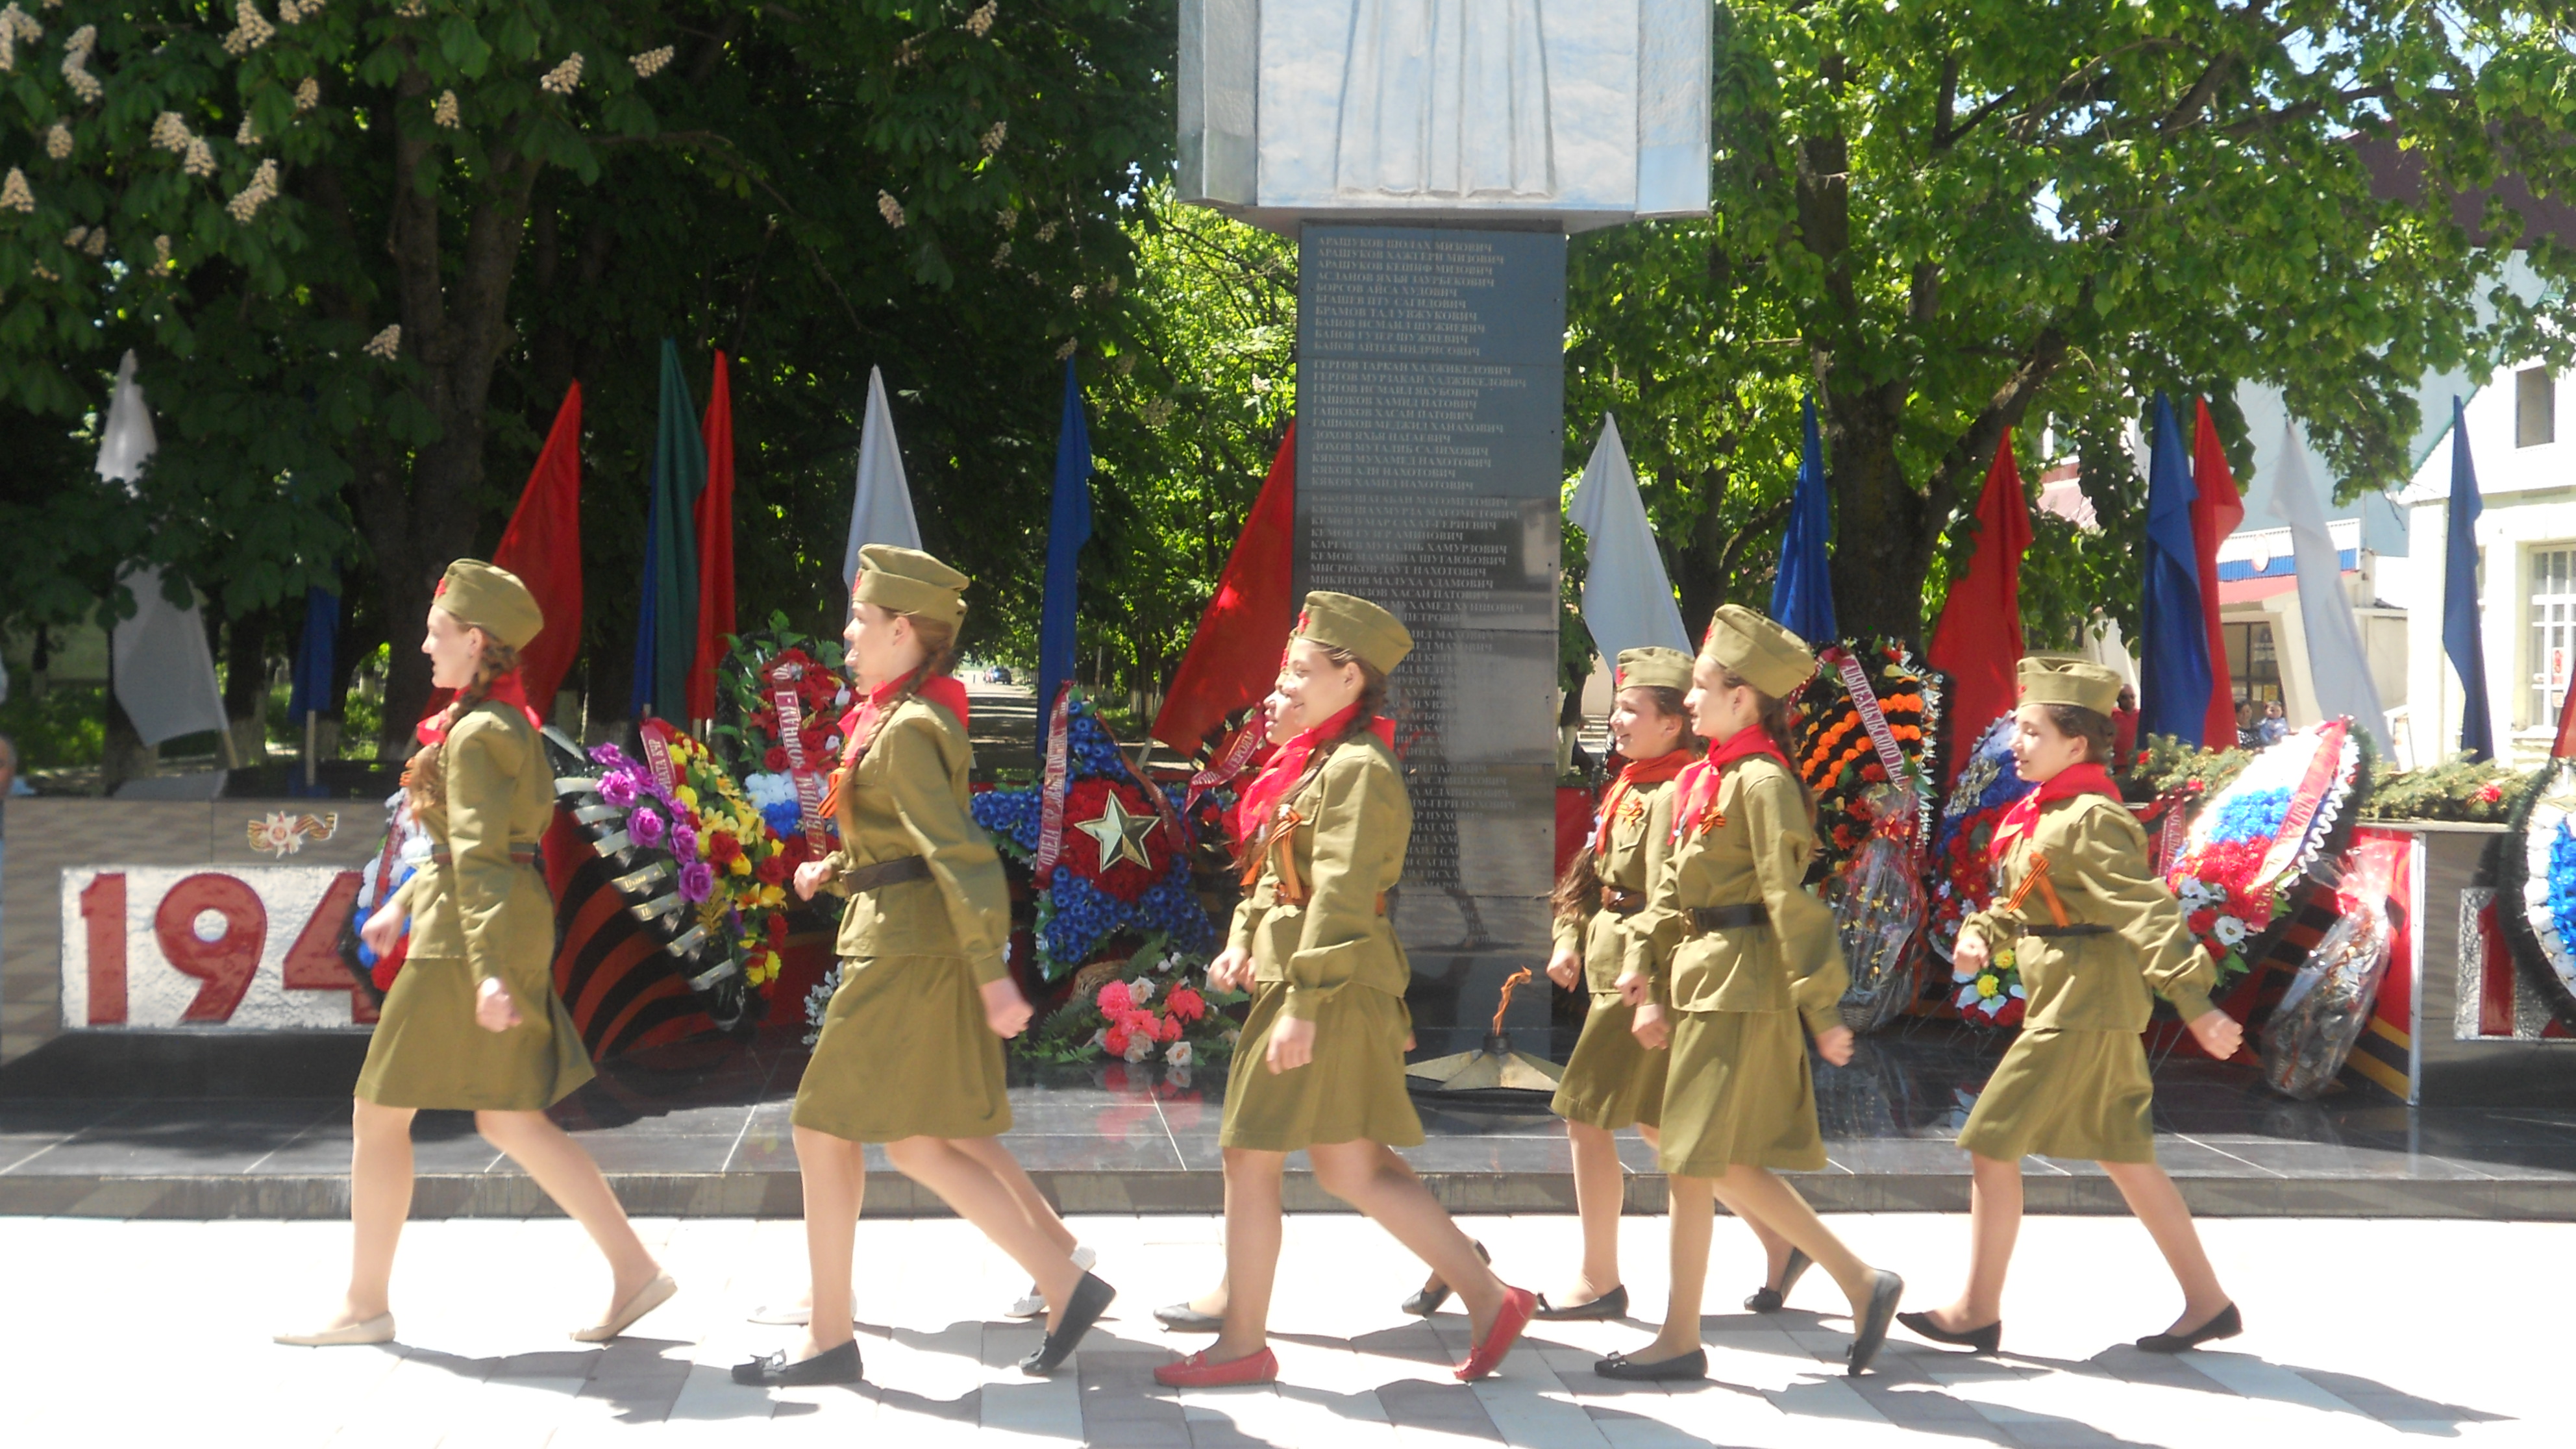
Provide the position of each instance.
(1700, 783)
(1636, 772)
(1252, 809)
(856, 726)
(506, 689)
(2084, 779)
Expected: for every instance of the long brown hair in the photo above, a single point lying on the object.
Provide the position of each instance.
(1579, 886)
(424, 775)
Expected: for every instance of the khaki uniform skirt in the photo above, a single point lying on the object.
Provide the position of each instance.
(1612, 1081)
(1739, 1093)
(1353, 1089)
(904, 1052)
(2066, 1092)
(428, 1050)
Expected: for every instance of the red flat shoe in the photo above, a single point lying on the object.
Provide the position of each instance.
(1519, 1305)
(1195, 1372)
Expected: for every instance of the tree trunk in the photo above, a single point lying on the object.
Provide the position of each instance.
(246, 687)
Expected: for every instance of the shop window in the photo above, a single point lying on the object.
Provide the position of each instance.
(2553, 631)
(2535, 407)
(2253, 668)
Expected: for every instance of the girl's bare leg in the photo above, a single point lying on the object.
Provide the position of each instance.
(1994, 1225)
(1600, 1190)
(1775, 1252)
(380, 1179)
(1253, 1229)
(1369, 1176)
(997, 1160)
(1760, 1196)
(1694, 1220)
(835, 1174)
(569, 1177)
(976, 1194)
(2159, 1205)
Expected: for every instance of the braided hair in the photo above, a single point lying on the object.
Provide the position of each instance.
(424, 776)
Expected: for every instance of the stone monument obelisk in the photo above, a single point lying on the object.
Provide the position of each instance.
(1430, 157)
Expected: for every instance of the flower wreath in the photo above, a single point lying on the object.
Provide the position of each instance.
(727, 868)
(1839, 761)
(1962, 873)
(2270, 822)
(2533, 869)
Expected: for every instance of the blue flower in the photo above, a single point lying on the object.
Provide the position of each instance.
(2251, 815)
(2562, 883)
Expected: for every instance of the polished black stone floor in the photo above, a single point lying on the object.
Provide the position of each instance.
(267, 1133)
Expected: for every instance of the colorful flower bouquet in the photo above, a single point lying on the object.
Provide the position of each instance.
(1149, 1008)
(726, 867)
(1840, 762)
(1962, 874)
(2264, 826)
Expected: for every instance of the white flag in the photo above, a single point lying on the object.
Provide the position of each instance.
(882, 511)
(165, 675)
(1627, 600)
(2338, 666)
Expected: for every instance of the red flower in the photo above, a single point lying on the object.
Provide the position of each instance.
(814, 743)
(776, 930)
(1170, 1029)
(775, 759)
(2010, 1014)
(775, 870)
(1186, 1004)
(1116, 1041)
(2489, 793)
(1873, 771)
(724, 848)
(766, 717)
(1116, 1000)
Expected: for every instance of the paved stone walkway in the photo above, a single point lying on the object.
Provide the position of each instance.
(2363, 1333)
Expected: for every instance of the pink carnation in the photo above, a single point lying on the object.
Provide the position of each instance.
(1116, 1000)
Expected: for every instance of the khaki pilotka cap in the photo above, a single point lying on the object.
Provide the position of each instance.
(2079, 682)
(1653, 669)
(908, 581)
(1344, 621)
(1758, 651)
(492, 600)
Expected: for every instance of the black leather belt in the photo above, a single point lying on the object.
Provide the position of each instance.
(519, 855)
(1622, 902)
(2077, 928)
(1727, 918)
(886, 873)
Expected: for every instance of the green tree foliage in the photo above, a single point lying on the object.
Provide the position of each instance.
(362, 248)
(1950, 220)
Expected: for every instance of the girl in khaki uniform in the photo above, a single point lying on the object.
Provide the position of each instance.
(910, 1053)
(1614, 1079)
(1320, 1063)
(473, 1021)
(1750, 952)
(2094, 931)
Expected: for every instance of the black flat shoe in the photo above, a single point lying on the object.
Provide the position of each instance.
(1691, 1365)
(1767, 1299)
(773, 1371)
(1182, 1318)
(1613, 1304)
(2226, 1323)
(1869, 1328)
(1989, 1339)
(1090, 1299)
(1434, 1292)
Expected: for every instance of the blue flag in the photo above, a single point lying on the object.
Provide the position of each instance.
(666, 626)
(1068, 529)
(1802, 592)
(311, 691)
(2460, 635)
(2174, 679)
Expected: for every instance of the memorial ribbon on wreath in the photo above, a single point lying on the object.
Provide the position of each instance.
(657, 753)
(791, 737)
(1058, 776)
(1238, 753)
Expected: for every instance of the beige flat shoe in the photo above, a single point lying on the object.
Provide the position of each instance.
(647, 1298)
(379, 1329)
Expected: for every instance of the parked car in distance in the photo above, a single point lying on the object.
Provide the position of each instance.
(997, 674)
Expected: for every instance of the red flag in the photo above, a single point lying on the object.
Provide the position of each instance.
(1234, 656)
(714, 519)
(542, 546)
(1978, 641)
(2216, 509)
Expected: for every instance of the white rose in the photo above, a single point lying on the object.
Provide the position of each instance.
(1178, 1054)
(1141, 990)
(1140, 1047)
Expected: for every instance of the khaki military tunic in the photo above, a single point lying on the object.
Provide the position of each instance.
(904, 1050)
(1738, 1090)
(1612, 1081)
(1332, 960)
(479, 911)
(2074, 1084)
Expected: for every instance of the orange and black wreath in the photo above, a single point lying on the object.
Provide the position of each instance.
(1841, 763)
